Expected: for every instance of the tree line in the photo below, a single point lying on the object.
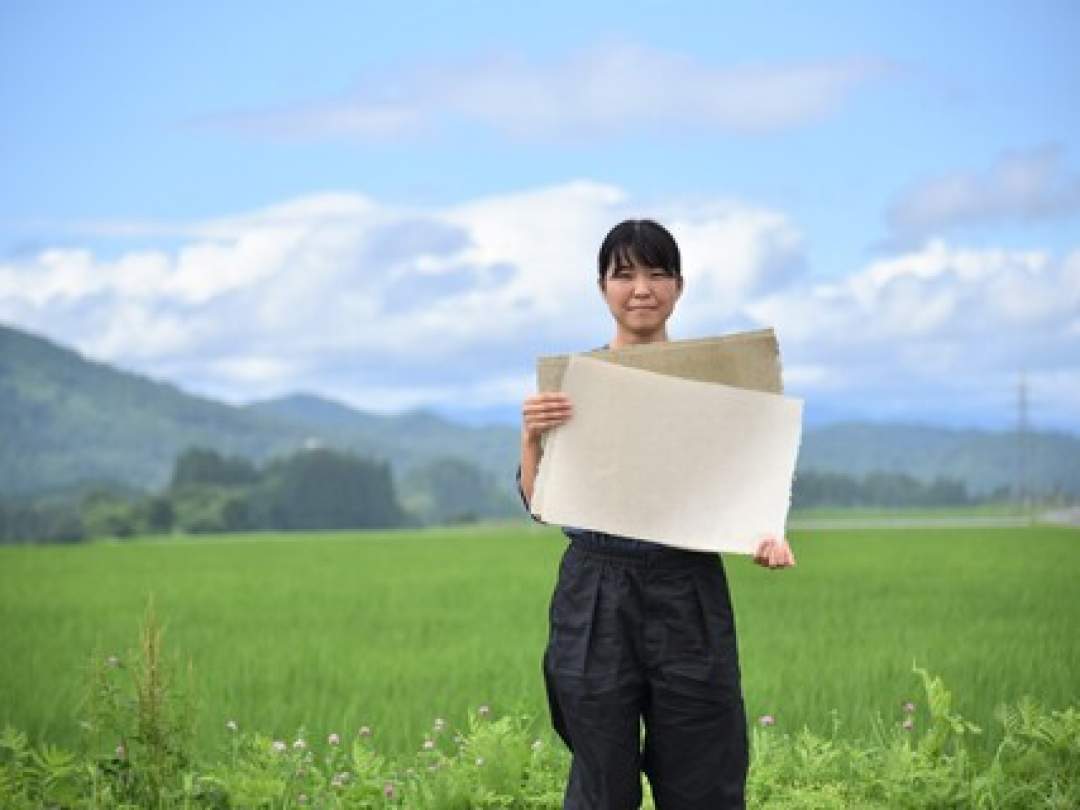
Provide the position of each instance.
(324, 489)
(309, 490)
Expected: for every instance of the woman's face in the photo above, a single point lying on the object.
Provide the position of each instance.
(640, 298)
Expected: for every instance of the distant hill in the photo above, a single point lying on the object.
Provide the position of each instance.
(409, 440)
(984, 460)
(66, 421)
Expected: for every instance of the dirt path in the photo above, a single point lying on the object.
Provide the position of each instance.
(924, 522)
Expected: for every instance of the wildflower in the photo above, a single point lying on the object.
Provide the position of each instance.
(112, 661)
(334, 739)
(440, 725)
(299, 744)
(537, 745)
(388, 790)
(484, 710)
(231, 726)
(479, 762)
(340, 779)
(429, 745)
(364, 731)
(301, 799)
(121, 752)
(909, 708)
(908, 724)
(278, 747)
(767, 720)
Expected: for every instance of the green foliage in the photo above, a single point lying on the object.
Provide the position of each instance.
(450, 490)
(204, 465)
(156, 515)
(138, 720)
(326, 489)
(209, 509)
(1037, 764)
(45, 522)
(494, 763)
(893, 490)
(105, 514)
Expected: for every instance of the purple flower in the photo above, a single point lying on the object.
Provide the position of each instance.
(767, 720)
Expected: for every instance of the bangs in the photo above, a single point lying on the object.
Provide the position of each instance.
(642, 242)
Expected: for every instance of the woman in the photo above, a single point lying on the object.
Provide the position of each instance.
(641, 632)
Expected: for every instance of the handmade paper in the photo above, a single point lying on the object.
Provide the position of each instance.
(743, 359)
(696, 465)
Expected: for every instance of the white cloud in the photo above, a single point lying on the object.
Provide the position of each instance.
(938, 330)
(390, 307)
(1021, 186)
(341, 294)
(614, 88)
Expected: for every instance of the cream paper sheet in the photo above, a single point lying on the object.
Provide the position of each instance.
(696, 465)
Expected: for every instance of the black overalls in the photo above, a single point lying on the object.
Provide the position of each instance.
(644, 632)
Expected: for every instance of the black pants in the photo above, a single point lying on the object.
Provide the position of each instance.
(646, 637)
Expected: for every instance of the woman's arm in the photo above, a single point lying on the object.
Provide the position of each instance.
(539, 413)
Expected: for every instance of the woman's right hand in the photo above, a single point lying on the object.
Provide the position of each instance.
(542, 412)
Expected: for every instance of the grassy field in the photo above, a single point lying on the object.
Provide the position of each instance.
(394, 629)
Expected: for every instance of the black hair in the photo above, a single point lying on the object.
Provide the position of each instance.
(641, 240)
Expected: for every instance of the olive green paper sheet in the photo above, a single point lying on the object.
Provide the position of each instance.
(743, 359)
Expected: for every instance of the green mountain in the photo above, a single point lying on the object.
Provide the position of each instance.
(1042, 462)
(409, 440)
(66, 421)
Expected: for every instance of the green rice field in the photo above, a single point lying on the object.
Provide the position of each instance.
(392, 629)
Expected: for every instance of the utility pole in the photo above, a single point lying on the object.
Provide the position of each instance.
(1023, 490)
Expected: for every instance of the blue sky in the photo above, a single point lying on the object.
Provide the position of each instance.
(399, 206)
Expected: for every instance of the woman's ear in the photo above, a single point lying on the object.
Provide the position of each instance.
(678, 286)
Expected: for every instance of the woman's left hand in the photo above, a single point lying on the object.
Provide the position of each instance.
(773, 553)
